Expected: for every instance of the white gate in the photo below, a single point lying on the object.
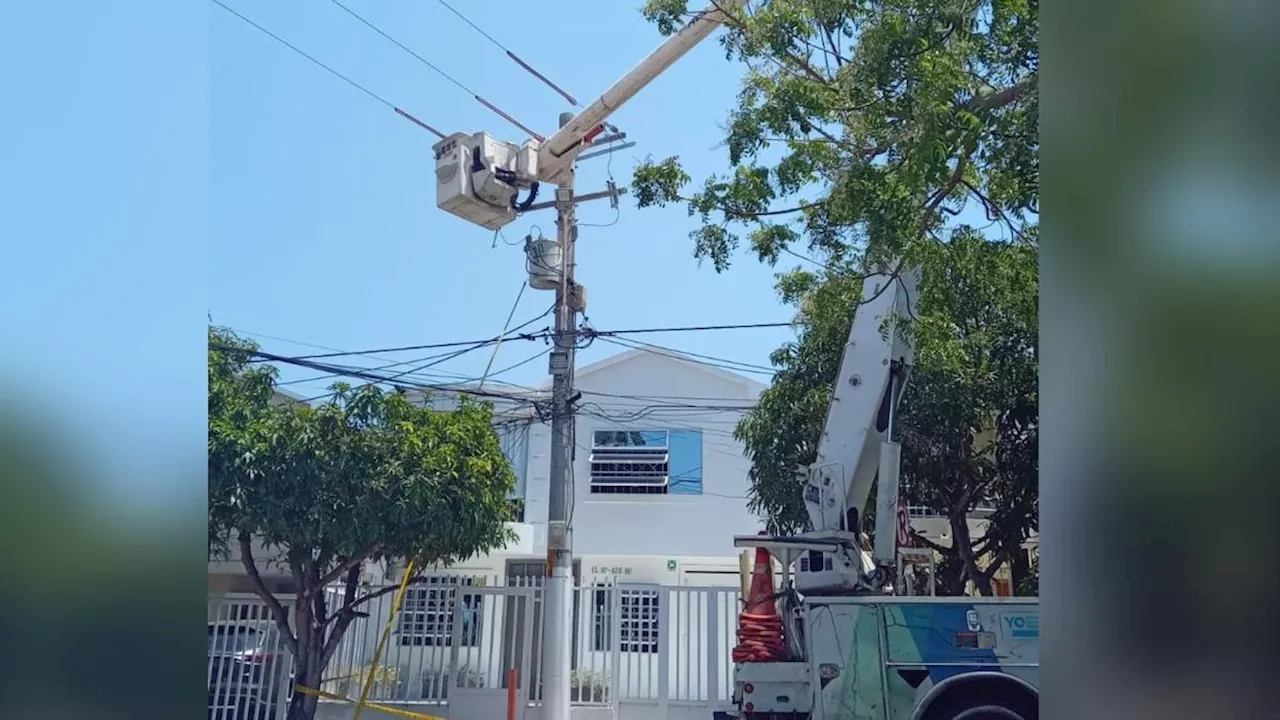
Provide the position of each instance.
(655, 650)
(638, 651)
(499, 651)
(250, 667)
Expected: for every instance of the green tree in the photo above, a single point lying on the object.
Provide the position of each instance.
(968, 420)
(867, 135)
(367, 476)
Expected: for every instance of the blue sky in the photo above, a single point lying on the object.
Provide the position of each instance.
(323, 225)
(163, 162)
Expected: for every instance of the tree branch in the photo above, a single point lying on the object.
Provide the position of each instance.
(931, 544)
(343, 567)
(994, 566)
(345, 616)
(741, 214)
(260, 588)
(1011, 94)
(418, 580)
(989, 101)
(945, 190)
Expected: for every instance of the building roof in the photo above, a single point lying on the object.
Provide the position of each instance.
(543, 388)
(693, 363)
(286, 396)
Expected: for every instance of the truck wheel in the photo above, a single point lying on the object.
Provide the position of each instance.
(984, 702)
(987, 712)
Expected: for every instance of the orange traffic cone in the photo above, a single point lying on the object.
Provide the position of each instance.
(760, 636)
(760, 599)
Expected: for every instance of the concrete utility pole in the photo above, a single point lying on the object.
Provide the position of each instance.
(558, 589)
(477, 179)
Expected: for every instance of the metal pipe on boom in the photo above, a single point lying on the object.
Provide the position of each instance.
(558, 151)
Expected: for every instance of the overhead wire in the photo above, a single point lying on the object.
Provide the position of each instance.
(437, 374)
(641, 345)
(501, 336)
(688, 357)
(617, 206)
(402, 363)
(362, 374)
(540, 335)
(517, 59)
(399, 111)
(399, 375)
(695, 328)
(437, 346)
(442, 73)
(421, 363)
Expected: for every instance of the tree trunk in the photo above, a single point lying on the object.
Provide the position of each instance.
(950, 575)
(308, 665)
(963, 544)
(1019, 567)
(307, 673)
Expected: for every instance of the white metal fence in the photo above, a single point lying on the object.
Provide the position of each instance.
(456, 637)
(250, 668)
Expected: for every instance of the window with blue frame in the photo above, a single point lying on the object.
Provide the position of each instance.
(646, 462)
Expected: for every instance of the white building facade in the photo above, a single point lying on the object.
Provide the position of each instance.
(656, 469)
(659, 482)
(659, 491)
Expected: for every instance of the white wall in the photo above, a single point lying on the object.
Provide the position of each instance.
(666, 525)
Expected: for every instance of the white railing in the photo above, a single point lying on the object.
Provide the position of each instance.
(924, 511)
(456, 639)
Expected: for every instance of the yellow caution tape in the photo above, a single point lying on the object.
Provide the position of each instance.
(382, 641)
(336, 678)
(376, 706)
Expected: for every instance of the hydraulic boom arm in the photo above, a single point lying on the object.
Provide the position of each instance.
(560, 149)
(478, 178)
(856, 451)
(873, 372)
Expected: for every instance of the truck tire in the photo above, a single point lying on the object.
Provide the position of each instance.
(984, 700)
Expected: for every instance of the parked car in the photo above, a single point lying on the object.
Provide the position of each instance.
(250, 670)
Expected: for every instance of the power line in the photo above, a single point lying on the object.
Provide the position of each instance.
(440, 358)
(699, 328)
(505, 328)
(680, 355)
(667, 397)
(489, 377)
(540, 335)
(662, 349)
(543, 334)
(362, 374)
(511, 54)
(460, 386)
(403, 113)
(440, 72)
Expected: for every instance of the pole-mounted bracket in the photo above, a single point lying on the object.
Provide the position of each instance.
(613, 193)
(558, 363)
(577, 298)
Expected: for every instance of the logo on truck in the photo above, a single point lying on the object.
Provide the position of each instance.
(1021, 626)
